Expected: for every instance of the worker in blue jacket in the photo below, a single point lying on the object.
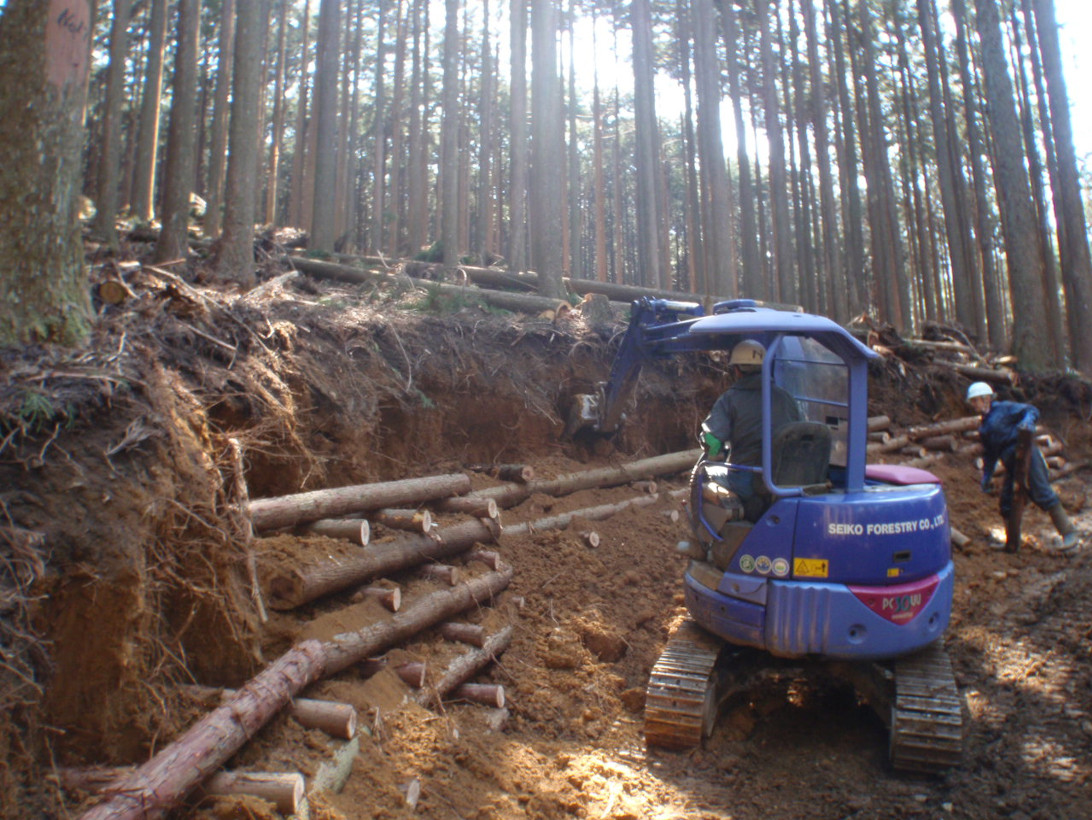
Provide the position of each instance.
(998, 432)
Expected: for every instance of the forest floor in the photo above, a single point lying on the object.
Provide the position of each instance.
(123, 457)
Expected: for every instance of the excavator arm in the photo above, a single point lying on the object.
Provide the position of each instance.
(657, 327)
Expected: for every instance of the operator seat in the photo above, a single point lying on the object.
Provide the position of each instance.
(801, 454)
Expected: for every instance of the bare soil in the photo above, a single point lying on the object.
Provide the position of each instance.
(130, 460)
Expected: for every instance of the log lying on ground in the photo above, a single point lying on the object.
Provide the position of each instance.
(473, 634)
(941, 428)
(389, 597)
(878, 423)
(329, 716)
(162, 782)
(463, 667)
(357, 530)
(283, 789)
(412, 520)
(289, 587)
(562, 521)
(505, 472)
(488, 694)
(288, 510)
(444, 573)
(158, 785)
(669, 464)
(349, 648)
(470, 505)
(891, 445)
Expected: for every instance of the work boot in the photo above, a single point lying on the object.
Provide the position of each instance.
(1064, 526)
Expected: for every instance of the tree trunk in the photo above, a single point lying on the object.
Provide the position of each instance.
(303, 125)
(284, 511)
(1076, 260)
(109, 165)
(294, 586)
(326, 84)
(163, 781)
(464, 666)
(173, 242)
(518, 148)
(143, 199)
(272, 181)
(547, 146)
(449, 138)
(647, 157)
(234, 260)
(221, 116)
(1030, 340)
(44, 64)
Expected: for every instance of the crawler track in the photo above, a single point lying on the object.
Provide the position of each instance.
(681, 700)
(927, 716)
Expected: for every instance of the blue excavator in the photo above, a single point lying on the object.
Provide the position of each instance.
(844, 564)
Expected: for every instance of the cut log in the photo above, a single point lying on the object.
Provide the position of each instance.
(942, 443)
(943, 427)
(924, 461)
(464, 667)
(286, 511)
(444, 573)
(878, 423)
(470, 505)
(958, 538)
(672, 515)
(292, 586)
(412, 520)
(357, 530)
(491, 558)
(562, 521)
(590, 538)
(879, 437)
(350, 648)
(890, 446)
(413, 674)
(645, 487)
(332, 717)
(114, 291)
(473, 634)
(507, 495)
(505, 472)
(389, 597)
(162, 782)
(285, 789)
(985, 374)
(487, 694)
(411, 792)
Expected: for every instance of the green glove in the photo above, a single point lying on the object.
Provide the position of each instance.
(711, 443)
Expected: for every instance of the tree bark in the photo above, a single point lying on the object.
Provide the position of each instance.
(293, 586)
(235, 255)
(151, 99)
(284, 511)
(163, 781)
(357, 530)
(332, 717)
(44, 65)
(181, 162)
(326, 82)
(464, 666)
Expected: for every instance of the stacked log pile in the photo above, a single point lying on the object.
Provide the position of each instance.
(464, 575)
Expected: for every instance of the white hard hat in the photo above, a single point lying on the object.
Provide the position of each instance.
(747, 352)
(979, 389)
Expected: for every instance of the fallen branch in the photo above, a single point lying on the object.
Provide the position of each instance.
(332, 717)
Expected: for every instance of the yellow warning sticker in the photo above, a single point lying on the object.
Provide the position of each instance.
(893, 572)
(811, 568)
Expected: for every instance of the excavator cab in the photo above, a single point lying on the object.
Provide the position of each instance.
(833, 561)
